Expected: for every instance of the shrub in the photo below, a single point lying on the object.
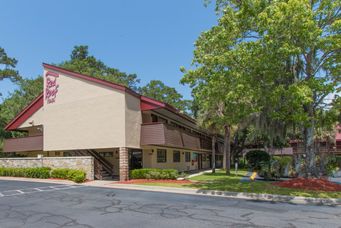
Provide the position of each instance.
(154, 174)
(39, 172)
(255, 158)
(270, 170)
(286, 165)
(332, 165)
(77, 176)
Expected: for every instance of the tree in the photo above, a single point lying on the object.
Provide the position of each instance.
(8, 69)
(218, 86)
(158, 90)
(21, 97)
(289, 51)
(206, 119)
(81, 62)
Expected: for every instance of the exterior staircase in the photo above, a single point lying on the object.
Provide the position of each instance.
(103, 169)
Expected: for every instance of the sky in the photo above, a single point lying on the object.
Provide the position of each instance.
(151, 38)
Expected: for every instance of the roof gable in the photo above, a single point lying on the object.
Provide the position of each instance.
(26, 113)
(146, 102)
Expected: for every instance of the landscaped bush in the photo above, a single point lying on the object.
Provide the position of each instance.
(332, 165)
(255, 159)
(77, 176)
(286, 165)
(154, 174)
(40, 172)
(270, 170)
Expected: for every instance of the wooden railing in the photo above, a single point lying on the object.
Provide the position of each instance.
(30, 143)
(167, 135)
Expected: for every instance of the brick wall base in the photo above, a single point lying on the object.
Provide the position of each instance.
(124, 164)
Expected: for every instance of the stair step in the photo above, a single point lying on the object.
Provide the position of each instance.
(107, 178)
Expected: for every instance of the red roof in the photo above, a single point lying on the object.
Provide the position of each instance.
(146, 102)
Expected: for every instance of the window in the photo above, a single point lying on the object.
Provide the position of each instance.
(176, 156)
(187, 156)
(195, 156)
(106, 154)
(161, 155)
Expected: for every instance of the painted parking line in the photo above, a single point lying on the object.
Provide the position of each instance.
(38, 189)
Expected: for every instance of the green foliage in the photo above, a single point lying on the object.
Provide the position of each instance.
(270, 170)
(28, 90)
(332, 165)
(84, 63)
(154, 174)
(277, 167)
(77, 176)
(279, 59)
(40, 172)
(283, 160)
(222, 182)
(7, 69)
(158, 90)
(255, 158)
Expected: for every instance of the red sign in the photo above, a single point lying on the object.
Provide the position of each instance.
(51, 87)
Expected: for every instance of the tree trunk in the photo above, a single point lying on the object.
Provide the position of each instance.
(227, 149)
(213, 153)
(309, 150)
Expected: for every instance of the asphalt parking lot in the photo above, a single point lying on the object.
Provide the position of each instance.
(30, 204)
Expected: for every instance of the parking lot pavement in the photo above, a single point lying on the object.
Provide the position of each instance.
(51, 205)
(8, 188)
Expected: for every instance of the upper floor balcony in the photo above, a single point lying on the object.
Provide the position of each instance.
(30, 143)
(163, 134)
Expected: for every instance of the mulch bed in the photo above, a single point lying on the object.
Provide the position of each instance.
(143, 181)
(314, 184)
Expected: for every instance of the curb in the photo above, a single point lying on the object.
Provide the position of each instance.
(297, 200)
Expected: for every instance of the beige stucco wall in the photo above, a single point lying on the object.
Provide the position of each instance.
(85, 115)
(85, 163)
(33, 125)
(150, 160)
(133, 121)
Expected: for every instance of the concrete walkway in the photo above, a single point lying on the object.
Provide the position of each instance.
(200, 173)
(191, 191)
(335, 179)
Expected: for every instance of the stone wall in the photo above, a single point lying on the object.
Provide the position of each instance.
(85, 163)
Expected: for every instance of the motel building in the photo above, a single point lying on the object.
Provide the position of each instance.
(107, 129)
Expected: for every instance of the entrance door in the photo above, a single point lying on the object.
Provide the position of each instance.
(135, 159)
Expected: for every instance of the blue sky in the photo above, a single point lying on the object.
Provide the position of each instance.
(151, 38)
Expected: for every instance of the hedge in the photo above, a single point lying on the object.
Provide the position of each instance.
(77, 176)
(154, 174)
(40, 172)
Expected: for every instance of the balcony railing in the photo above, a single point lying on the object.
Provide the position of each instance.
(166, 135)
(31, 143)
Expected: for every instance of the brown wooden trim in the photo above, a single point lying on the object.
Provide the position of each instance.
(23, 144)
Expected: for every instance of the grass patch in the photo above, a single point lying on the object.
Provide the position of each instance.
(219, 181)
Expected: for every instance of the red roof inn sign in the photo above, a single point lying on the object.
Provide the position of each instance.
(51, 89)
